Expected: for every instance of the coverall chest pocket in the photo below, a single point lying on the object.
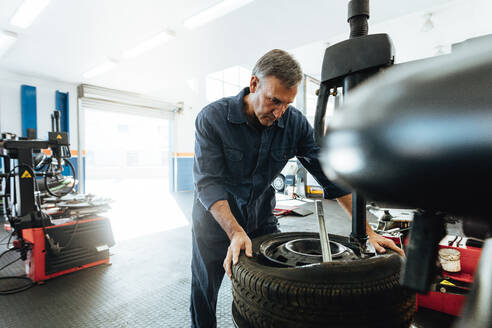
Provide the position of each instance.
(281, 157)
(234, 161)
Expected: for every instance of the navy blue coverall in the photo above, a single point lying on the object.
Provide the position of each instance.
(236, 161)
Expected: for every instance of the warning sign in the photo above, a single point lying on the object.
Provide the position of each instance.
(25, 175)
(58, 136)
(445, 282)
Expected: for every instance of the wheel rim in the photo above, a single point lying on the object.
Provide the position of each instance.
(311, 247)
(278, 183)
(301, 251)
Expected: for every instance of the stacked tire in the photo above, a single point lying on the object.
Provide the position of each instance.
(357, 293)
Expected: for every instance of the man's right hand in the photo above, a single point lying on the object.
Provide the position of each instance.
(239, 241)
(238, 237)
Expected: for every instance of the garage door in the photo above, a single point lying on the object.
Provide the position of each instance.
(128, 145)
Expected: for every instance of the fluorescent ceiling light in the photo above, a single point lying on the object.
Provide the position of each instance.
(214, 12)
(104, 67)
(27, 12)
(7, 39)
(149, 44)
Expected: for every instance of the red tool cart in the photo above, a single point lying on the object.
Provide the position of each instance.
(450, 289)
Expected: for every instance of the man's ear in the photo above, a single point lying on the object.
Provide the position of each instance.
(253, 84)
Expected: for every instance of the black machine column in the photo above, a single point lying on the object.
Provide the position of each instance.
(358, 14)
(427, 230)
(26, 182)
(23, 174)
(348, 64)
(7, 187)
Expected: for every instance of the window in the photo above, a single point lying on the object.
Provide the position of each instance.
(131, 158)
(311, 100)
(163, 131)
(227, 82)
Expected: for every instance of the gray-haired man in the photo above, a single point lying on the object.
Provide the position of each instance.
(242, 144)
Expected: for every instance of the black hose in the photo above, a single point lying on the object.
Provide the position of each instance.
(5, 237)
(17, 289)
(5, 252)
(10, 263)
(71, 237)
(74, 175)
(10, 238)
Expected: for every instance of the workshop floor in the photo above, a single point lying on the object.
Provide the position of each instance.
(147, 284)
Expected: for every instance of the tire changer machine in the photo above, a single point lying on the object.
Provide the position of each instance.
(48, 249)
(416, 136)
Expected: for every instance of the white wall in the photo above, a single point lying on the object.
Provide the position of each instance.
(193, 94)
(10, 103)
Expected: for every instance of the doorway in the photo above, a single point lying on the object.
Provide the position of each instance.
(127, 160)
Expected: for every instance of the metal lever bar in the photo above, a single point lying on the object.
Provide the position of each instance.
(56, 114)
(323, 235)
(53, 124)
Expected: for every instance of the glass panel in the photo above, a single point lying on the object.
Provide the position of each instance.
(230, 90)
(219, 75)
(311, 98)
(231, 75)
(244, 77)
(215, 89)
(131, 158)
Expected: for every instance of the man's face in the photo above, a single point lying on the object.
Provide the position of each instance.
(270, 98)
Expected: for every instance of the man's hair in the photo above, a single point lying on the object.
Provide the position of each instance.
(280, 64)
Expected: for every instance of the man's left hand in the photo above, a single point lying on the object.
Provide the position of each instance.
(380, 243)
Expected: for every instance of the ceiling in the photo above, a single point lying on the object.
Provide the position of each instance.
(71, 37)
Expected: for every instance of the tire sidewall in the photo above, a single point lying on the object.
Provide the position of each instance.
(355, 271)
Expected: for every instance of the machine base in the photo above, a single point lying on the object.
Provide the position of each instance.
(75, 246)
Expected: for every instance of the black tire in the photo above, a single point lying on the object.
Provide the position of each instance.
(357, 293)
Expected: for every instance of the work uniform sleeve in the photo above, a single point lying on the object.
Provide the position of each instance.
(208, 166)
(307, 153)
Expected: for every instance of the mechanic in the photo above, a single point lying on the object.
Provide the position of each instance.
(241, 145)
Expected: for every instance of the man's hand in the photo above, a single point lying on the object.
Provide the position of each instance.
(379, 243)
(239, 241)
(238, 237)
